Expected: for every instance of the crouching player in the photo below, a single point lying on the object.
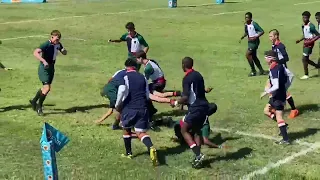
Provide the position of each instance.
(278, 79)
(110, 91)
(153, 71)
(205, 130)
(279, 48)
(132, 98)
(193, 95)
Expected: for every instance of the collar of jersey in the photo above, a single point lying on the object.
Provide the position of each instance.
(188, 72)
(135, 35)
(307, 24)
(250, 22)
(273, 65)
(129, 69)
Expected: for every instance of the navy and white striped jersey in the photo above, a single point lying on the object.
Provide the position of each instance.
(194, 88)
(278, 79)
(281, 51)
(133, 93)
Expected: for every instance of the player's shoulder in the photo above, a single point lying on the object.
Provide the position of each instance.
(45, 44)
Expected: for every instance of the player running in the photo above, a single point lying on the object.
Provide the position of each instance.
(133, 95)
(253, 31)
(110, 91)
(46, 54)
(153, 71)
(198, 106)
(279, 83)
(310, 35)
(135, 41)
(279, 48)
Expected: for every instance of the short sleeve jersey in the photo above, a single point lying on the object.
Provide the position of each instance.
(153, 71)
(278, 72)
(194, 89)
(136, 91)
(135, 43)
(309, 31)
(281, 51)
(50, 51)
(252, 29)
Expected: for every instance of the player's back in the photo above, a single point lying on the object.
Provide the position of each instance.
(195, 83)
(137, 91)
(117, 78)
(281, 51)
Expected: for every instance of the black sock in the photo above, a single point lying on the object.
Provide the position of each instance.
(127, 144)
(257, 62)
(291, 103)
(196, 150)
(283, 130)
(253, 69)
(35, 99)
(41, 99)
(146, 140)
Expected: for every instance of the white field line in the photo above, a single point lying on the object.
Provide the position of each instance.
(41, 36)
(23, 37)
(262, 136)
(115, 13)
(270, 166)
(306, 3)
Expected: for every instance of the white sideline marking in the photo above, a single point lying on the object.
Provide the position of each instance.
(261, 136)
(306, 3)
(270, 166)
(23, 37)
(113, 13)
(41, 36)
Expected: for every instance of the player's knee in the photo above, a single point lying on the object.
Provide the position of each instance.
(142, 135)
(46, 89)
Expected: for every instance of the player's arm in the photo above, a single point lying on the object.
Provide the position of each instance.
(245, 33)
(314, 31)
(63, 50)
(290, 76)
(147, 89)
(121, 39)
(37, 53)
(283, 55)
(105, 116)
(121, 95)
(2, 66)
(259, 29)
(145, 44)
(186, 84)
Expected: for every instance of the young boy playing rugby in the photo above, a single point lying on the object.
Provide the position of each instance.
(253, 31)
(135, 41)
(46, 53)
(280, 49)
(279, 83)
(310, 35)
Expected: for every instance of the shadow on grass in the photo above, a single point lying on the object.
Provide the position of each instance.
(241, 153)
(303, 134)
(19, 107)
(75, 109)
(308, 107)
(218, 139)
(173, 113)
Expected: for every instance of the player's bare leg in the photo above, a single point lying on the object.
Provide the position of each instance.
(251, 63)
(269, 111)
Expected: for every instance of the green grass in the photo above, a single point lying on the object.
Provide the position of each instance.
(211, 39)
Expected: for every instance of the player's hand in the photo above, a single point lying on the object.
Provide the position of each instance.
(263, 94)
(240, 41)
(99, 121)
(209, 89)
(223, 146)
(46, 65)
(298, 41)
(173, 103)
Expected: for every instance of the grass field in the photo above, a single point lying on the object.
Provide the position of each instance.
(209, 34)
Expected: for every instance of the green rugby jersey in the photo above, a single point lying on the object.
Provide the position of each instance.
(135, 43)
(153, 71)
(50, 51)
